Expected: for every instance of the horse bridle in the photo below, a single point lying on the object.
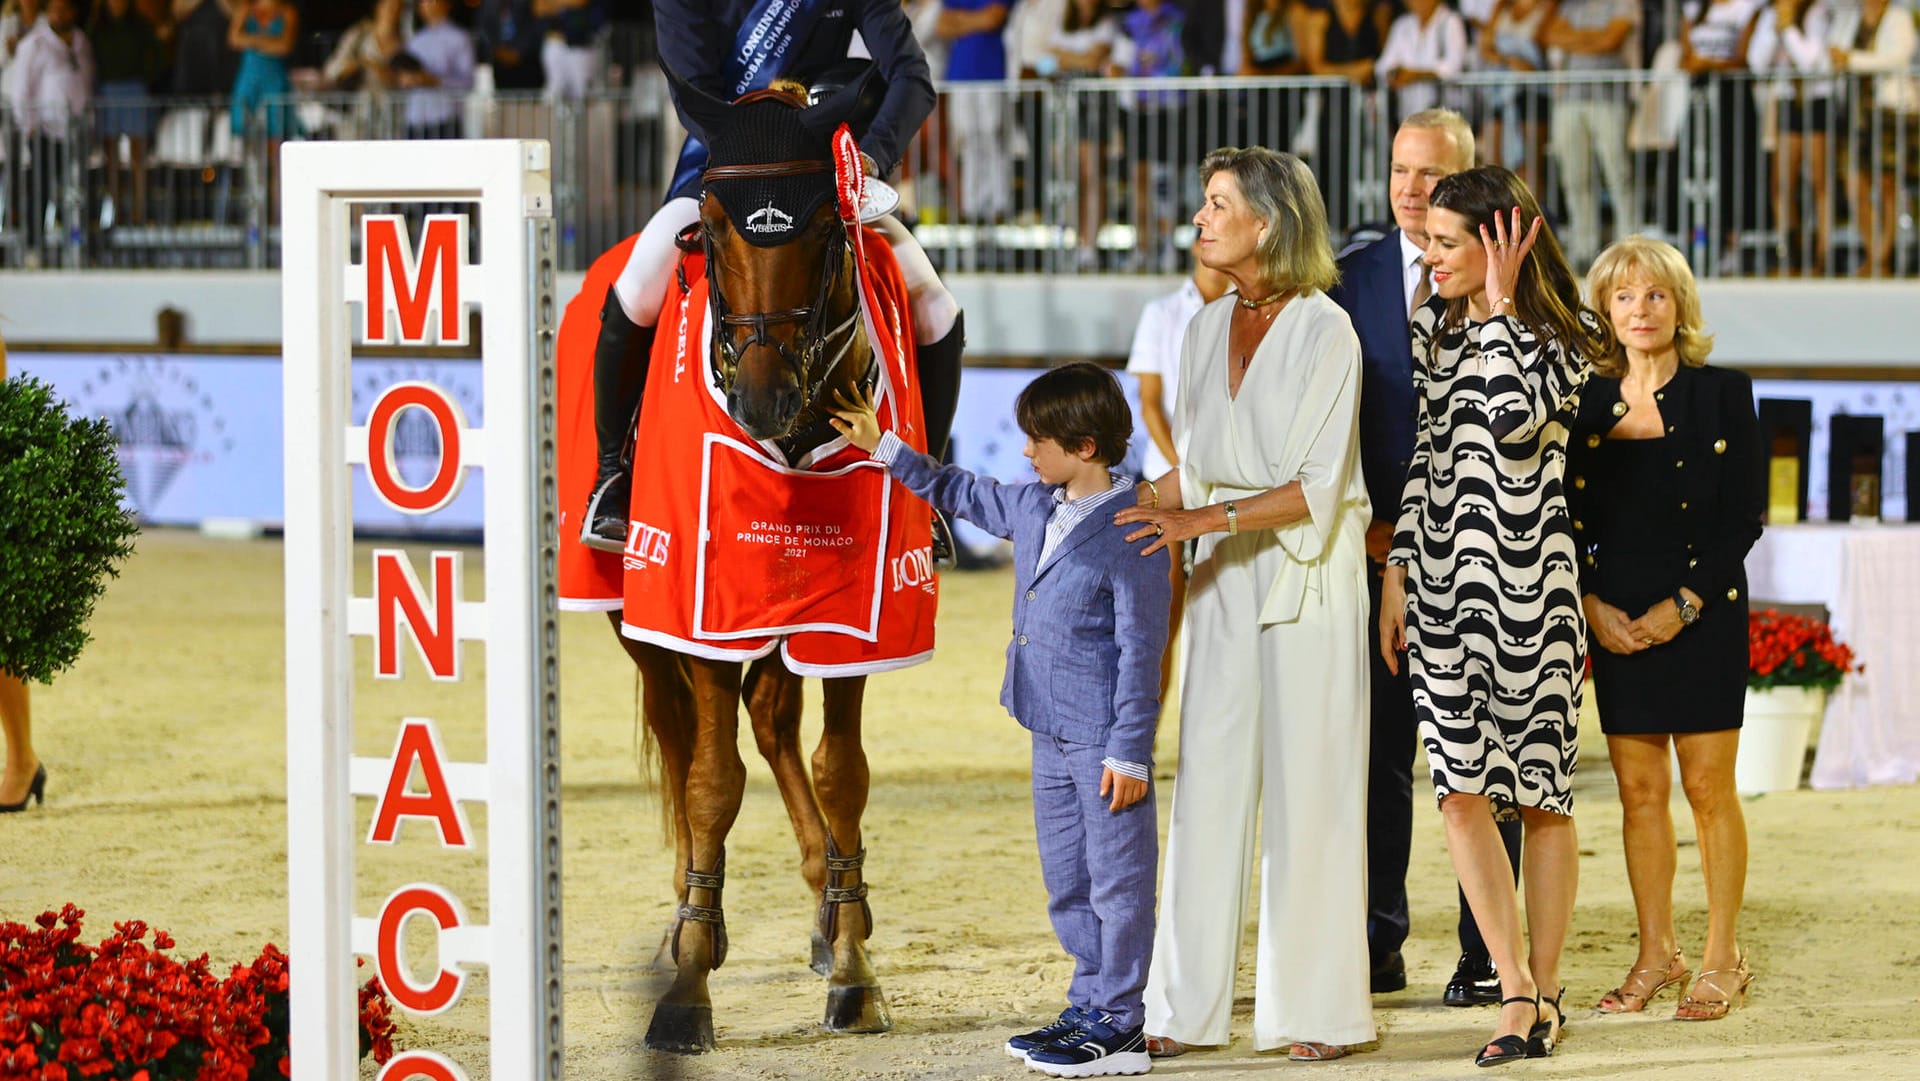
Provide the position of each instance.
(815, 336)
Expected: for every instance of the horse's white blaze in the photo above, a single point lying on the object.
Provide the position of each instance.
(421, 295)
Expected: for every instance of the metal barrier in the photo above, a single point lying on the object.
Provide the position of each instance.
(1751, 173)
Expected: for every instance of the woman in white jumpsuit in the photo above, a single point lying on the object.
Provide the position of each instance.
(1273, 706)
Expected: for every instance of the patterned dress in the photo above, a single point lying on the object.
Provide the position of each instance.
(1496, 643)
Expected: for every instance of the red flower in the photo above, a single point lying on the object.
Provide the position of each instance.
(1787, 651)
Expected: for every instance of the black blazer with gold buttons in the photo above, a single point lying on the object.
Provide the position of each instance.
(1710, 419)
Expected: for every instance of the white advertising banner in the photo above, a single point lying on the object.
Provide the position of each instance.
(201, 436)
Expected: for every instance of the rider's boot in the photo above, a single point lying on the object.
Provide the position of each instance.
(619, 376)
(939, 364)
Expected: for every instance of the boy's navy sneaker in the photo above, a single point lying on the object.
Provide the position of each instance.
(1095, 1048)
(1069, 1019)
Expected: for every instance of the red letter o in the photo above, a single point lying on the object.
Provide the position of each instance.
(381, 467)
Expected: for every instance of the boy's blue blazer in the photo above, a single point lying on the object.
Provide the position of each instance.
(1083, 661)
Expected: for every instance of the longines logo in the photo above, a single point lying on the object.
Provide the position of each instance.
(769, 219)
(163, 421)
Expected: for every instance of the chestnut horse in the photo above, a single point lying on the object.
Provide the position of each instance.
(786, 332)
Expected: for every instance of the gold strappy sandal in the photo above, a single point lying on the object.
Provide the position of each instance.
(1716, 1008)
(1630, 997)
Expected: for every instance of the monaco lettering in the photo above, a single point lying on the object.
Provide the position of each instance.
(423, 285)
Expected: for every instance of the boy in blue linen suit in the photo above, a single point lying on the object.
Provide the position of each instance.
(1083, 674)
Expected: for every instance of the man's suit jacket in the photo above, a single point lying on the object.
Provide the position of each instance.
(1083, 662)
(1372, 289)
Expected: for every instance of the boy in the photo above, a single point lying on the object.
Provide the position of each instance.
(1083, 674)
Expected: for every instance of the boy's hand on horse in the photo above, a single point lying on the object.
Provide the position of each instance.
(853, 417)
(1125, 791)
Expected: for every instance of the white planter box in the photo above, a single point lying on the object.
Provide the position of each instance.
(1774, 737)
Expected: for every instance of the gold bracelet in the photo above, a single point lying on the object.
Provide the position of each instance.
(1233, 517)
(1151, 487)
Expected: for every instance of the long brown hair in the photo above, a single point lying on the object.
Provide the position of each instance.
(1547, 296)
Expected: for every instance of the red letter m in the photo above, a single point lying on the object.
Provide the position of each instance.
(423, 285)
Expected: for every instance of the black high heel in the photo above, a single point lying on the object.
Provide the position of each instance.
(36, 792)
(1545, 1035)
(1509, 1048)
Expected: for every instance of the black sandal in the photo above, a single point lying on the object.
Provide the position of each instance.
(1546, 1034)
(1508, 1048)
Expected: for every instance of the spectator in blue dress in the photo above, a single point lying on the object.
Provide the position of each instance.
(263, 32)
(976, 54)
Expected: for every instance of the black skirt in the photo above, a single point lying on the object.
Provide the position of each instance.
(1696, 681)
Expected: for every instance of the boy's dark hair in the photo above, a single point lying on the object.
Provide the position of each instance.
(1074, 403)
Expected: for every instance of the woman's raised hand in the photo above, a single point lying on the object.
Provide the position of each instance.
(1506, 250)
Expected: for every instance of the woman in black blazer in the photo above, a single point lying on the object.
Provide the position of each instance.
(1666, 502)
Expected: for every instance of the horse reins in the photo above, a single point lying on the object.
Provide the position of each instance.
(726, 355)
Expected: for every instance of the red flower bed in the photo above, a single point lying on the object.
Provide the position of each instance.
(126, 1010)
(1794, 651)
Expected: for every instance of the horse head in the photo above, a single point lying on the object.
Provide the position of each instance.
(782, 299)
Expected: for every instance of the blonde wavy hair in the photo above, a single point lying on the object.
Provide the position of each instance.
(1280, 189)
(1660, 263)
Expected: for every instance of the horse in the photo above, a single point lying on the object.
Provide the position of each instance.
(786, 333)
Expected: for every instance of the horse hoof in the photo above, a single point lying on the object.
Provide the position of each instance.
(857, 1009)
(682, 1030)
(822, 963)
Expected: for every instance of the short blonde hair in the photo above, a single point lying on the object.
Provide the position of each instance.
(1279, 188)
(1661, 263)
(1453, 124)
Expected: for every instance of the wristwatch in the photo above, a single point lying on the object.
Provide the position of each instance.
(1688, 613)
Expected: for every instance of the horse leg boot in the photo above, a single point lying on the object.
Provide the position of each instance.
(687, 1027)
(619, 378)
(774, 705)
(855, 1002)
(939, 369)
(716, 780)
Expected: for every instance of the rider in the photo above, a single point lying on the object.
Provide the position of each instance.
(727, 48)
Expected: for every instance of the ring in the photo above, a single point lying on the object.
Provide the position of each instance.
(1158, 530)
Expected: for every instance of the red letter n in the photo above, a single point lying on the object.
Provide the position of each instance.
(397, 595)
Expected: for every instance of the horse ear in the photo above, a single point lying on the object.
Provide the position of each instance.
(701, 111)
(838, 107)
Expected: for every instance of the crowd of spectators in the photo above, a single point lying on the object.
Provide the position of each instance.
(121, 64)
(1785, 131)
(1819, 136)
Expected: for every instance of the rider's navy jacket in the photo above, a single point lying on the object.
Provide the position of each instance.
(696, 36)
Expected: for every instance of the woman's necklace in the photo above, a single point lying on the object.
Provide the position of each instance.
(1265, 309)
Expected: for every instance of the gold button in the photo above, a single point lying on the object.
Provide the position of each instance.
(1683, 506)
(1733, 594)
(1669, 429)
(1719, 446)
(1593, 441)
(1619, 409)
(1692, 563)
(1660, 396)
(1589, 561)
(1579, 482)
(1680, 464)
(1579, 525)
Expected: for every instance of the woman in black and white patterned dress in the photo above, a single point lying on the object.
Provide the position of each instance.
(1481, 590)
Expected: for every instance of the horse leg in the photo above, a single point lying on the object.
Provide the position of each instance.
(855, 1002)
(666, 704)
(716, 778)
(773, 697)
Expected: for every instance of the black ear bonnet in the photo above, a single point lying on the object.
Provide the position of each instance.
(772, 210)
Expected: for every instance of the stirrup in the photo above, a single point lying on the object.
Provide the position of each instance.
(834, 895)
(708, 914)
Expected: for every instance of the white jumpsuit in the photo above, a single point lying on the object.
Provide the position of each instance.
(1273, 707)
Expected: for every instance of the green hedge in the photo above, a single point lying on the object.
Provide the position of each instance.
(62, 527)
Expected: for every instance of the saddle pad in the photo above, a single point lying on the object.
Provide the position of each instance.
(733, 550)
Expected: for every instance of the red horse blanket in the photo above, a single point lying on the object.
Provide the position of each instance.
(732, 549)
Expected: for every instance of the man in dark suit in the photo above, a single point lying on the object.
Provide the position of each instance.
(1380, 285)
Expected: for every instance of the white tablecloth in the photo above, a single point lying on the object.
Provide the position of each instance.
(1868, 575)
